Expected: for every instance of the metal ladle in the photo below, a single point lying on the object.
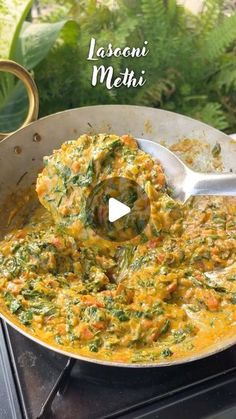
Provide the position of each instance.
(184, 181)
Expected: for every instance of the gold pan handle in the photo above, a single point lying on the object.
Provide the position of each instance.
(25, 77)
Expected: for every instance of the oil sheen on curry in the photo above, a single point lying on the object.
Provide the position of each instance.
(167, 294)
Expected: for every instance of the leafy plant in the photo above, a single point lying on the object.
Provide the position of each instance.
(191, 67)
(28, 45)
(12, 15)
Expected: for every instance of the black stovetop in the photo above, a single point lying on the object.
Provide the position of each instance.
(39, 383)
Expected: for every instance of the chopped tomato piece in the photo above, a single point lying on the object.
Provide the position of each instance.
(90, 300)
(172, 287)
(85, 333)
(161, 258)
(154, 242)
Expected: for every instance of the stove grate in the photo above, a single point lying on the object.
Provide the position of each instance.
(58, 388)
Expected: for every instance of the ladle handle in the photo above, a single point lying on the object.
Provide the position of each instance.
(214, 184)
(32, 91)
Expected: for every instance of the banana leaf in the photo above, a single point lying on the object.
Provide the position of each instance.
(12, 15)
(29, 49)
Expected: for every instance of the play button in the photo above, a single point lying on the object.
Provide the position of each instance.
(117, 209)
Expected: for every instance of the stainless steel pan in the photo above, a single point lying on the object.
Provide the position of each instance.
(21, 156)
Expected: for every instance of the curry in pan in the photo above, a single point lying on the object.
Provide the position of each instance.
(166, 294)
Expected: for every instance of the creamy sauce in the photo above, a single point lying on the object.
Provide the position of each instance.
(168, 294)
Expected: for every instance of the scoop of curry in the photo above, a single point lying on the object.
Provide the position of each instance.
(167, 294)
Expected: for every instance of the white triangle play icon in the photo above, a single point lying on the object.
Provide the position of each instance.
(116, 210)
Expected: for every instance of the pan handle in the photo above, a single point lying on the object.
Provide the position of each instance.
(25, 77)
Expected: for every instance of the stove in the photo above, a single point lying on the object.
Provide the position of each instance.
(36, 383)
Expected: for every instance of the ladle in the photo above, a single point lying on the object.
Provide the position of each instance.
(183, 181)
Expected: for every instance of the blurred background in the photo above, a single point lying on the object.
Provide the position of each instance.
(191, 67)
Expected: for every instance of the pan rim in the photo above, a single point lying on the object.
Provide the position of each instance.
(118, 106)
(183, 360)
(229, 342)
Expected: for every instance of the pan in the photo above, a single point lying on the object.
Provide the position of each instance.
(22, 152)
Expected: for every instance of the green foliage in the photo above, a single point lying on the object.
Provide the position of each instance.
(190, 69)
(14, 104)
(211, 112)
(28, 45)
(219, 39)
(211, 13)
(36, 40)
(12, 16)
